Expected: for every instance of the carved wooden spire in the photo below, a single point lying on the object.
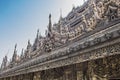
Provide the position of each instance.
(40, 36)
(36, 43)
(22, 54)
(29, 45)
(37, 34)
(50, 23)
(4, 62)
(49, 26)
(15, 51)
(60, 20)
(14, 54)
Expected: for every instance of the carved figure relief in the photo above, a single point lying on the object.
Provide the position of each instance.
(85, 27)
(112, 11)
(95, 10)
(100, 8)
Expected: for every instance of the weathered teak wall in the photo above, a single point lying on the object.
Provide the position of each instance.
(101, 69)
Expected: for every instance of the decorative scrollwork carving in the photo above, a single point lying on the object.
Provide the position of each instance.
(97, 40)
(112, 10)
(108, 35)
(86, 44)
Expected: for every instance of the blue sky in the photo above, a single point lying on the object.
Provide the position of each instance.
(20, 19)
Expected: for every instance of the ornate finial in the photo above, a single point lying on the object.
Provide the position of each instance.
(4, 62)
(60, 13)
(14, 54)
(49, 16)
(46, 32)
(15, 49)
(37, 33)
(15, 46)
(5, 56)
(73, 7)
(22, 52)
(49, 26)
(28, 42)
(29, 45)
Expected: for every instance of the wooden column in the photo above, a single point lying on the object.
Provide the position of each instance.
(37, 76)
(79, 71)
(69, 73)
(11, 78)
